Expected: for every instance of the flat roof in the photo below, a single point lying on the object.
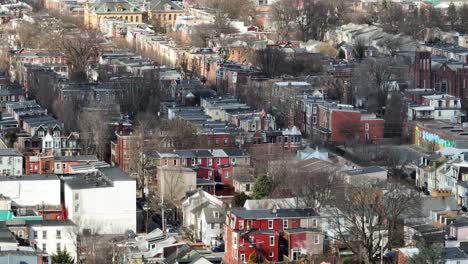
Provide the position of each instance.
(31, 177)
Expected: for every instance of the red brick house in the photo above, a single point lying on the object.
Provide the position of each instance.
(271, 234)
(341, 123)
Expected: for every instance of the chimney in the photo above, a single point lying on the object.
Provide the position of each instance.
(120, 127)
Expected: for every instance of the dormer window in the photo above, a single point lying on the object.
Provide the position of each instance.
(216, 214)
(167, 7)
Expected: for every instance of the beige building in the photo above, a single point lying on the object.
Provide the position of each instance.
(165, 12)
(175, 182)
(94, 12)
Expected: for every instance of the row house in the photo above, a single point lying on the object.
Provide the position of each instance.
(64, 164)
(272, 234)
(218, 165)
(11, 95)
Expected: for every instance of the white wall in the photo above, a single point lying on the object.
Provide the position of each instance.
(11, 165)
(67, 238)
(32, 192)
(103, 210)
(209, 235)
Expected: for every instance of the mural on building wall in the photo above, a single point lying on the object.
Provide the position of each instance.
(424, 138)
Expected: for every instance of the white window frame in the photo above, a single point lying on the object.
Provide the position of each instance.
(241, 224)
(271, 241)
(317, 239)
(210, 162)
(270, 224)
(285, 224)
(271, 254)
(242, 257)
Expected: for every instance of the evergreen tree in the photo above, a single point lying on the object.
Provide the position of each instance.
(262, 187)
(62, 257)
(239, 199)
(341, 54)
(452, 15)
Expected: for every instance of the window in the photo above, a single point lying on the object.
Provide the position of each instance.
(210, 162)
(58, 234)
(316, 239)
(77, 207)
(242, 257)
(44, 248)
(165, 162)
(210, 174)
(270, 224)
(226, 141)
(175, 162)
(35, 234)
(77, 196)
(247, 187)
(241, 224)
(440, 113)
(64, 166)
(170, 16)
(218, 161)
(314, 110)
(249, 224)
(21, 234)
(296, 253)
(366, 126)
(233, 160)
(285, 224)
(272, 240)
(58, 247)
(199, 161)
(314, 222)
(217, 141)
(315, 120)
(271, 254)
(44, 234)
(212, 226)
(193, 162)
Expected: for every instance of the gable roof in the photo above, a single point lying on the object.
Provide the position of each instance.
(272, 214)
(209, 215)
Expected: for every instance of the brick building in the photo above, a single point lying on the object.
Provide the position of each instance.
(271, 234)
(341, 123)
(445, 76)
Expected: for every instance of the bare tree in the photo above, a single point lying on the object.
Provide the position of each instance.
(94, 133)
(369, 217)
(376, 86)
(180, 134)
(316, 18)
(359, 49)
(269, 61)
(391, 45)
(350, 132)
(77, 50)
(285, 15)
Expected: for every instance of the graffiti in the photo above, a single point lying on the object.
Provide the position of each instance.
(428, 137)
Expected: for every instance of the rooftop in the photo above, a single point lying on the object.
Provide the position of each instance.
(278, 213)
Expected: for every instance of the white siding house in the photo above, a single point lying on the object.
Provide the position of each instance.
(211, 225)
(53, 235)
(11, 162)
